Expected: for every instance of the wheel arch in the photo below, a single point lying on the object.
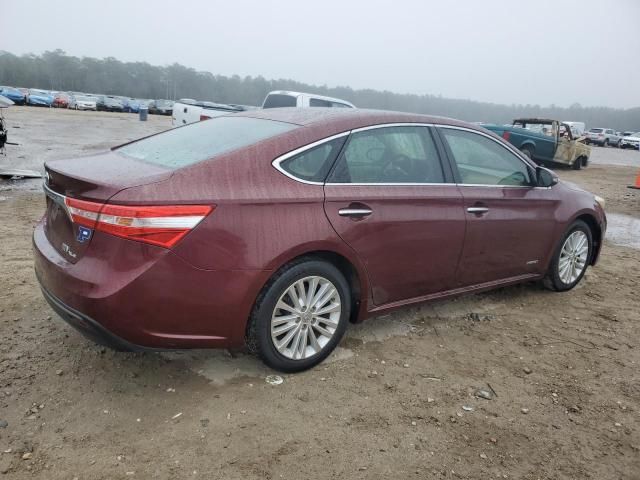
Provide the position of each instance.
(596, 234)
(346, 262)
(528, 144)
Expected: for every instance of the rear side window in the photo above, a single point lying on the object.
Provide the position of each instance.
(277, 100)
(316, 102)
(314, 164)
(203, 140)
(389, 155)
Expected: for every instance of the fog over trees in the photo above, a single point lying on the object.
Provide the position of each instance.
(55, 70)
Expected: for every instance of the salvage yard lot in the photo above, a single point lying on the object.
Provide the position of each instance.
(395, 401)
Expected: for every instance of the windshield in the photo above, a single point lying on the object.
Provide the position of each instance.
(596, 130)
(85, 99)
(203, 140)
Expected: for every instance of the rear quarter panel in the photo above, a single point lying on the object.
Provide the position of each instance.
(262, 218)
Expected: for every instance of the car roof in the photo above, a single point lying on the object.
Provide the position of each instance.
(343, 119)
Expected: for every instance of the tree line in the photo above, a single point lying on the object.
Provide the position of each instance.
(55, 70)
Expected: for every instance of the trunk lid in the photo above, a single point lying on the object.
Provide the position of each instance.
(95, 178)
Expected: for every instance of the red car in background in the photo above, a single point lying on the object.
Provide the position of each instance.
(61, 100)
(276, 228)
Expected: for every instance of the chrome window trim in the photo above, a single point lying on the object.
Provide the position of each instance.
(276, 163)
(391, 125)
(280, 159)
(342, 184)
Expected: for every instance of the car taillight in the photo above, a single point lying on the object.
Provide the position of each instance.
(506, 135)
(204, 117)
(161, 225)
(601, 134)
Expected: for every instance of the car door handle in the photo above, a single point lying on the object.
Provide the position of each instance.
(355, 212)
(477, 209)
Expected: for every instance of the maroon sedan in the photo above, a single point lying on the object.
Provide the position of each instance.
(276, 228)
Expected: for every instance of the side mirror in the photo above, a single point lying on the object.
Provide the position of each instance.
(545, 177)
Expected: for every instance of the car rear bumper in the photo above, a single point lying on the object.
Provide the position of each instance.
(88, 327)
(135, 296)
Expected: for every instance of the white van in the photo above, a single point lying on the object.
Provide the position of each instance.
(285, 98)
(578, 129)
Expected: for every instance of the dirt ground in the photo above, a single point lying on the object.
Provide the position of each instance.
(397, 400)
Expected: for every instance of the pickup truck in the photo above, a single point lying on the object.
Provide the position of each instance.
(187, 110)
(545, 141)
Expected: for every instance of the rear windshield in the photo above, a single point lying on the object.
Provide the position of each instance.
(596, 130)
(277, 100)
(203, 140)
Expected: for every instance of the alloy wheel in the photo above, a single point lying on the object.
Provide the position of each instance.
(306, 317)
(573, 257)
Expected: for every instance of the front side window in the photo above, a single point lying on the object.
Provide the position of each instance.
(483, 161)
(389, 155)
(314, 164)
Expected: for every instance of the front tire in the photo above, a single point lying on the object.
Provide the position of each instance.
(300, 315)
(571, 259)
(577, 164)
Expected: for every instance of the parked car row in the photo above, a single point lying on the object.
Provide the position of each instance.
(85, 101)
(608, 137)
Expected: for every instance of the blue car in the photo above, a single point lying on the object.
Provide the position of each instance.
(39, 98)
(13, 94)
(134, 105)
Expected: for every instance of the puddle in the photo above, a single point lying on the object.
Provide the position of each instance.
(623, 230)
(380, 328)
(220, 367)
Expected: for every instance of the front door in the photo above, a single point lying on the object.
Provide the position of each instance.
(387, 198)
(510, 221)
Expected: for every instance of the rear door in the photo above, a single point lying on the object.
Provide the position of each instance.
(510, 221)
(390, 199)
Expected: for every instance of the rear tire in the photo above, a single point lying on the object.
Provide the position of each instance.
(285, 329)
(605, 143)
(572, 256)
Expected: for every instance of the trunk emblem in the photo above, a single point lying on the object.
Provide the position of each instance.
(68, 251)
(84, 234)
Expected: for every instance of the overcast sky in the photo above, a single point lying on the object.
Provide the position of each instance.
(539, 52)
